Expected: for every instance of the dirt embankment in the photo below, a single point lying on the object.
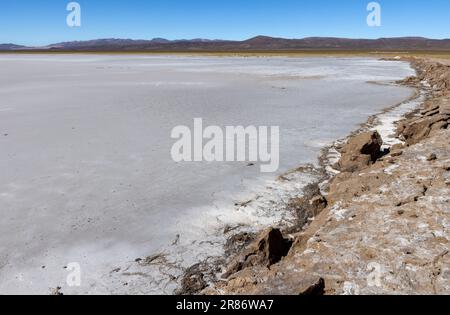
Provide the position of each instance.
(382, 227)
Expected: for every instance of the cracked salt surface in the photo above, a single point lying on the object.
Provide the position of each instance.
(86, 170)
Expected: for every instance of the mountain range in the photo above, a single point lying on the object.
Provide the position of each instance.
(259, 43)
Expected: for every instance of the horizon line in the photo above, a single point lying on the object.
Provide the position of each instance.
(221, 40)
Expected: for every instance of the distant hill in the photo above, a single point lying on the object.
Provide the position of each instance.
(11, 47)
(259, 43)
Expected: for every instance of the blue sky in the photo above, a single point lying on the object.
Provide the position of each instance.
(39, 22)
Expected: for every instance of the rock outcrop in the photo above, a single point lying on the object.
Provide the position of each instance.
(267, 250)
(383, 227)
(360, 151)
(435, 114)
(308, 206)
(432, 118)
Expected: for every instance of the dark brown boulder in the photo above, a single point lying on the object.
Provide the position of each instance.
(360, 151)
(266, 251)
(316, 288)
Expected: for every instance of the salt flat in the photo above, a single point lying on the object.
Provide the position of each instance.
(86, 173)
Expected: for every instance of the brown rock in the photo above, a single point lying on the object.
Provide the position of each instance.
(432, 157)
(397, 147)
(315, 289)
(361, 151)
(422, 127)
(397, 153)
(308, 206)
(318, 203)
(238, 242)
(431, 109)
(268, 250)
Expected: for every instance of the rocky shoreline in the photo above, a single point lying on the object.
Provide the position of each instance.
(378, 223)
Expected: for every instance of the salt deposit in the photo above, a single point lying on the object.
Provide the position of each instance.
(86, 170)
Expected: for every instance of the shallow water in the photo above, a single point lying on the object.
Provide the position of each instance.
(86, 171)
